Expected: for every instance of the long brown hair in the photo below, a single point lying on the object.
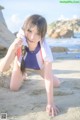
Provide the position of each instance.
(34, 20)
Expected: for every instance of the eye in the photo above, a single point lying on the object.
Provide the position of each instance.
(29, 30)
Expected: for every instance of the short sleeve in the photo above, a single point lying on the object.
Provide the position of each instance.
(46, 52)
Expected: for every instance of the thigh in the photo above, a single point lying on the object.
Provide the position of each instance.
(17, 77)
(4, 65)
(56, 81)
(40, 72)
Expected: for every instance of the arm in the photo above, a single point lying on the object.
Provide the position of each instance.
(8, 59)
(48, 76)
(48, 82)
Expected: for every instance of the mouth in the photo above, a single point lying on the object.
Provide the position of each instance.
(30, 41)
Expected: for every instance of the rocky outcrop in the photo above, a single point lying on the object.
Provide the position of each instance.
(6, 36)
(64, 29)
(59, 49)
(66, 33)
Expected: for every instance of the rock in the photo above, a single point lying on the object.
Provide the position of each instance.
(63, 28)
(6, 36)
(55, 35)
(59, 49)
(66, 33)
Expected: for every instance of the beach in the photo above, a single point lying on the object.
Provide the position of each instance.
(30, 101)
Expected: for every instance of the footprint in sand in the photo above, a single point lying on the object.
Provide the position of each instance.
(62, 92)
(57, 92)
(38, 92)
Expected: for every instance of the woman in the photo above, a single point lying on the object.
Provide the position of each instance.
(31, 52)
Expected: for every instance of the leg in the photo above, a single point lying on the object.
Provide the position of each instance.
(56, 81)
(16, 78)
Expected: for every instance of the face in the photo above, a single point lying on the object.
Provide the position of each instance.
(33, 35)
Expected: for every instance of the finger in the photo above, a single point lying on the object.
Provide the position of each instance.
(57, 108)
(48, 110)
(52, 114)
(19, 42)
(55, 112)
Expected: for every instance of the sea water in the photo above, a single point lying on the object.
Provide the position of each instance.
(73, 45)
(70, 43)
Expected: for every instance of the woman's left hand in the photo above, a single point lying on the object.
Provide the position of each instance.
(52, 110)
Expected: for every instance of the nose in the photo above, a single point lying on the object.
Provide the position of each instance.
(32, 36)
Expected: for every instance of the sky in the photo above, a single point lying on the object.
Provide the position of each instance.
(16, 11)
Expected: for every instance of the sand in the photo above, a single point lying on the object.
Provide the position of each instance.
(30, 101)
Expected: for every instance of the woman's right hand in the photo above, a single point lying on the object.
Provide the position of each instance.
(17, 43)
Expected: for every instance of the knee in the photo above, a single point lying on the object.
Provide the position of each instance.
(56, 82)
(3, 68)
(14, 88)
